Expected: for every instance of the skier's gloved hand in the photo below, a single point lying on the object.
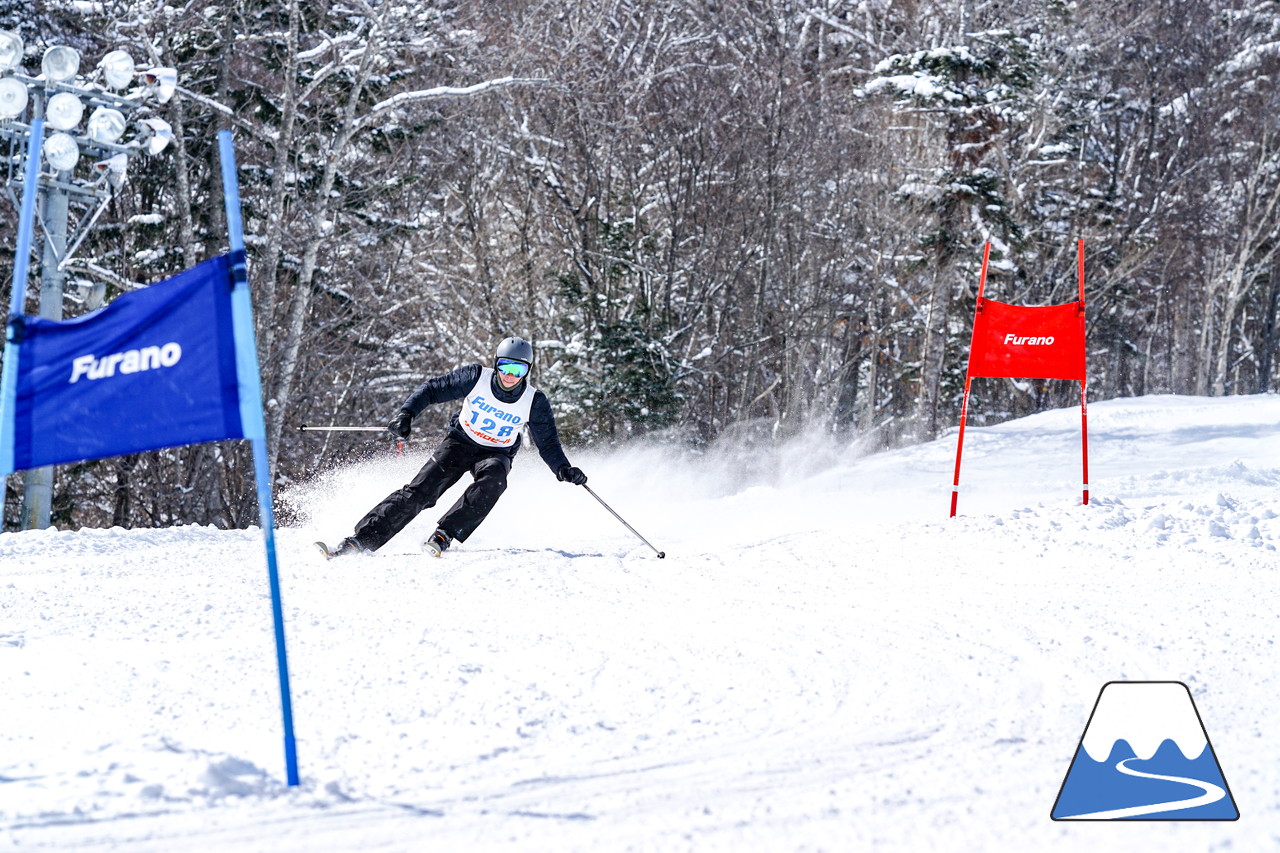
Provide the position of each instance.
(400, 424)
(570, 474)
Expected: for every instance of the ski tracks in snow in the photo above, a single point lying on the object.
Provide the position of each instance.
(827, 663)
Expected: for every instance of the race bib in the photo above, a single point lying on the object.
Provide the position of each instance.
(488, 421)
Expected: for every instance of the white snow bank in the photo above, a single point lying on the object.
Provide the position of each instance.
(823, 661)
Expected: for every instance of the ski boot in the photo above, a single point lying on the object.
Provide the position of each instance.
(437, 543)
(342, 549)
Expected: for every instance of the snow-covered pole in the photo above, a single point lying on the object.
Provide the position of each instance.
(660, 554)
(968, 381)
(254, 427)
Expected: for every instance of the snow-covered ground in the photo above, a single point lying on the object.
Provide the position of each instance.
(824, 660)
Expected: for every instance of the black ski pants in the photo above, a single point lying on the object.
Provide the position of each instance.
(454, 457)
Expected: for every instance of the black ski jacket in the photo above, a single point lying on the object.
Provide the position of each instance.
(455, 385)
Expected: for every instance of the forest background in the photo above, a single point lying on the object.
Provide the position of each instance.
(739, 221)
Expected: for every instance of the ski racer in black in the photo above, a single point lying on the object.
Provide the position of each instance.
(483, 438)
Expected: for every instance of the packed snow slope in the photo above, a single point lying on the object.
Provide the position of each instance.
(824, 660)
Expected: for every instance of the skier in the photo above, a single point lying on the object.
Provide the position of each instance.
(483, 438)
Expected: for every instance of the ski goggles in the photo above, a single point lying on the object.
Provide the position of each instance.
(511, 367)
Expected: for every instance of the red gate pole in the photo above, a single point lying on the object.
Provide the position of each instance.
(1084, 407)
(1084, 439)
(964, 416)
(968, 380)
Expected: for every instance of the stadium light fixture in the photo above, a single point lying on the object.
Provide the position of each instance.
(61, 152)
(158, 134)
(60, 63)
(107, 125)
(13, 97)
(162, 81)
(117, 69)
(63, 111)
(11, 49)
(113, 170)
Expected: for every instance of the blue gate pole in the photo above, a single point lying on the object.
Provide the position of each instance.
(254, 426)
(18, 296)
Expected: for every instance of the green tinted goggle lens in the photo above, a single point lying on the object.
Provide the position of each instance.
(512, 368)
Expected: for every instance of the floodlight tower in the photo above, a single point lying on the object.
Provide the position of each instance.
(120, 99)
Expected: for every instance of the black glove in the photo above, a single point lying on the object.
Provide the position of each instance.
(570, 474)
(400, 424)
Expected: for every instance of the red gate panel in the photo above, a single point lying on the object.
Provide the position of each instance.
(1027, 342)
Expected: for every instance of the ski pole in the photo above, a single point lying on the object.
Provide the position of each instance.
(305, 428)
(399, 440)
(660, 554)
